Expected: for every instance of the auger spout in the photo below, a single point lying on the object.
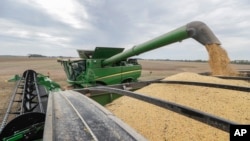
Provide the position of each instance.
(201, 33)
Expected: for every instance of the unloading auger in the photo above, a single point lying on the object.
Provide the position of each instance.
(196, 30)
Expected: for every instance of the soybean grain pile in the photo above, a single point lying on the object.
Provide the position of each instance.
(219, 61)
(156, 123)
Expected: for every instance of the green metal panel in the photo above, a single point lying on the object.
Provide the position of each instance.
(106, 52)
(15, 78)
(108, 75)
(94, 63)
(48, 83)
(99, 52)
(131, 72)
(115, 75)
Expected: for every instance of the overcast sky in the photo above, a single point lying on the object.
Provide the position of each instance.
(59, 27)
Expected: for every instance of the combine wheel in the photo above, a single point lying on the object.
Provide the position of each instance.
(127, 80)
(99, 83)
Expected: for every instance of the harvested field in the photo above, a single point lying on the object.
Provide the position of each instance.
(160, 69)
(160, 124)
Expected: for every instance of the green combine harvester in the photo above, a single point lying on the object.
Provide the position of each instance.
(40, 110)
(108, 66)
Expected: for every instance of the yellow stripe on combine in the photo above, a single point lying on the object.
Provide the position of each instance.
(117, 74)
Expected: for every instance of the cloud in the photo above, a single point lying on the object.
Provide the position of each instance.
(69, 11)
(44, 25)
